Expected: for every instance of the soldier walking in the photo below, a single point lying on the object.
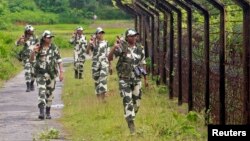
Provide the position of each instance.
(100, 64)
(46, 68)
(27, 41)
(79, 41)
(130, 70)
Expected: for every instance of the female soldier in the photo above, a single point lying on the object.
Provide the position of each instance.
(27, 41)
(79, 41)
(46, 73)
(100, 64)
(129, 69)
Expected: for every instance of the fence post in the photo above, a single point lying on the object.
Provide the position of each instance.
(129, 11)
(221, 8)
(246, 56)
(189, 30)
(151, 16)
(179, 34)
(206, 45)
(155, 18)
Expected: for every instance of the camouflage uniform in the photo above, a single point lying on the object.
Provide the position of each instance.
(28, 66)
(129, 83)
(46, 72)
(80, 44)
(100, 66)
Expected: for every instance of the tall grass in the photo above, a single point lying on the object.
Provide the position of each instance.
(9, 65)
(159, 119)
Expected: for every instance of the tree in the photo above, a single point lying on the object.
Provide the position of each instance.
(56, 6)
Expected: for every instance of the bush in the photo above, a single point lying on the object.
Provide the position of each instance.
(34, 17)
(51, 133)
(9, 65)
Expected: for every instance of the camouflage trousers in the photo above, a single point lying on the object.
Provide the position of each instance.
(46, 86)
(100, 76)
(131, 94)
(79, 60)
(28, 71)
(78, 66)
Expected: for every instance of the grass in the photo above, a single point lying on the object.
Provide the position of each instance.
(62, 33)
(159, 118)
(116, 27)
(46, 135)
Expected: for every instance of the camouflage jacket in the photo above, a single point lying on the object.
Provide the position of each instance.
(41, 68)
(25, 53)
(100, 54)
(129, 58)
(53, 57)
(78, 41)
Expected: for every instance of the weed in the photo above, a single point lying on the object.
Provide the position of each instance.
(50, 133)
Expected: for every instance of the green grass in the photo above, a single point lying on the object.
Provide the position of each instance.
(46, 135)
(9, 65)
(62, 33)
(86, 119)
(159, 119)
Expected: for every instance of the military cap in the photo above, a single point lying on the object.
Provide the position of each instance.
(47, 34)
(29, 28)
(131, 32)
(99, 30)
(79, 28)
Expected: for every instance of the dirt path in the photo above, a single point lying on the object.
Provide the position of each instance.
(19, 112)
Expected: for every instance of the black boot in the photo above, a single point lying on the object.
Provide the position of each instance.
(76, 74)
(32, 88)
(41, 109)
(80, 75)
(131, 126)
(28, 86)
(48, 113)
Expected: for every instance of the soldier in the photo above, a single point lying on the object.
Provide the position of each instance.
(100, 65)
(27, 41)
(80, 43)
(46, 68)
(130, 70)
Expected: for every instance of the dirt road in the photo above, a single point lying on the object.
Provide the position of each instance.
(19, 112)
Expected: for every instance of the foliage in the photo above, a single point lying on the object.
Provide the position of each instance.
(20, 5)
(162, 90)
(50, 133)
(56, 11)
(56, 6)
(148, 61)
(34, 18)
(9, 65)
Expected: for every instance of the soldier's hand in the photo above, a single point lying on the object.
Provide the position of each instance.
(61, 76)
(116, 45)
(36, 48)
(91, 41)
(21, 39)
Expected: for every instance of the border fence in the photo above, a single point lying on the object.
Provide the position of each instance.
(200, 50)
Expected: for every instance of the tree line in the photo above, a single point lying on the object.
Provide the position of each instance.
(56, 11)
